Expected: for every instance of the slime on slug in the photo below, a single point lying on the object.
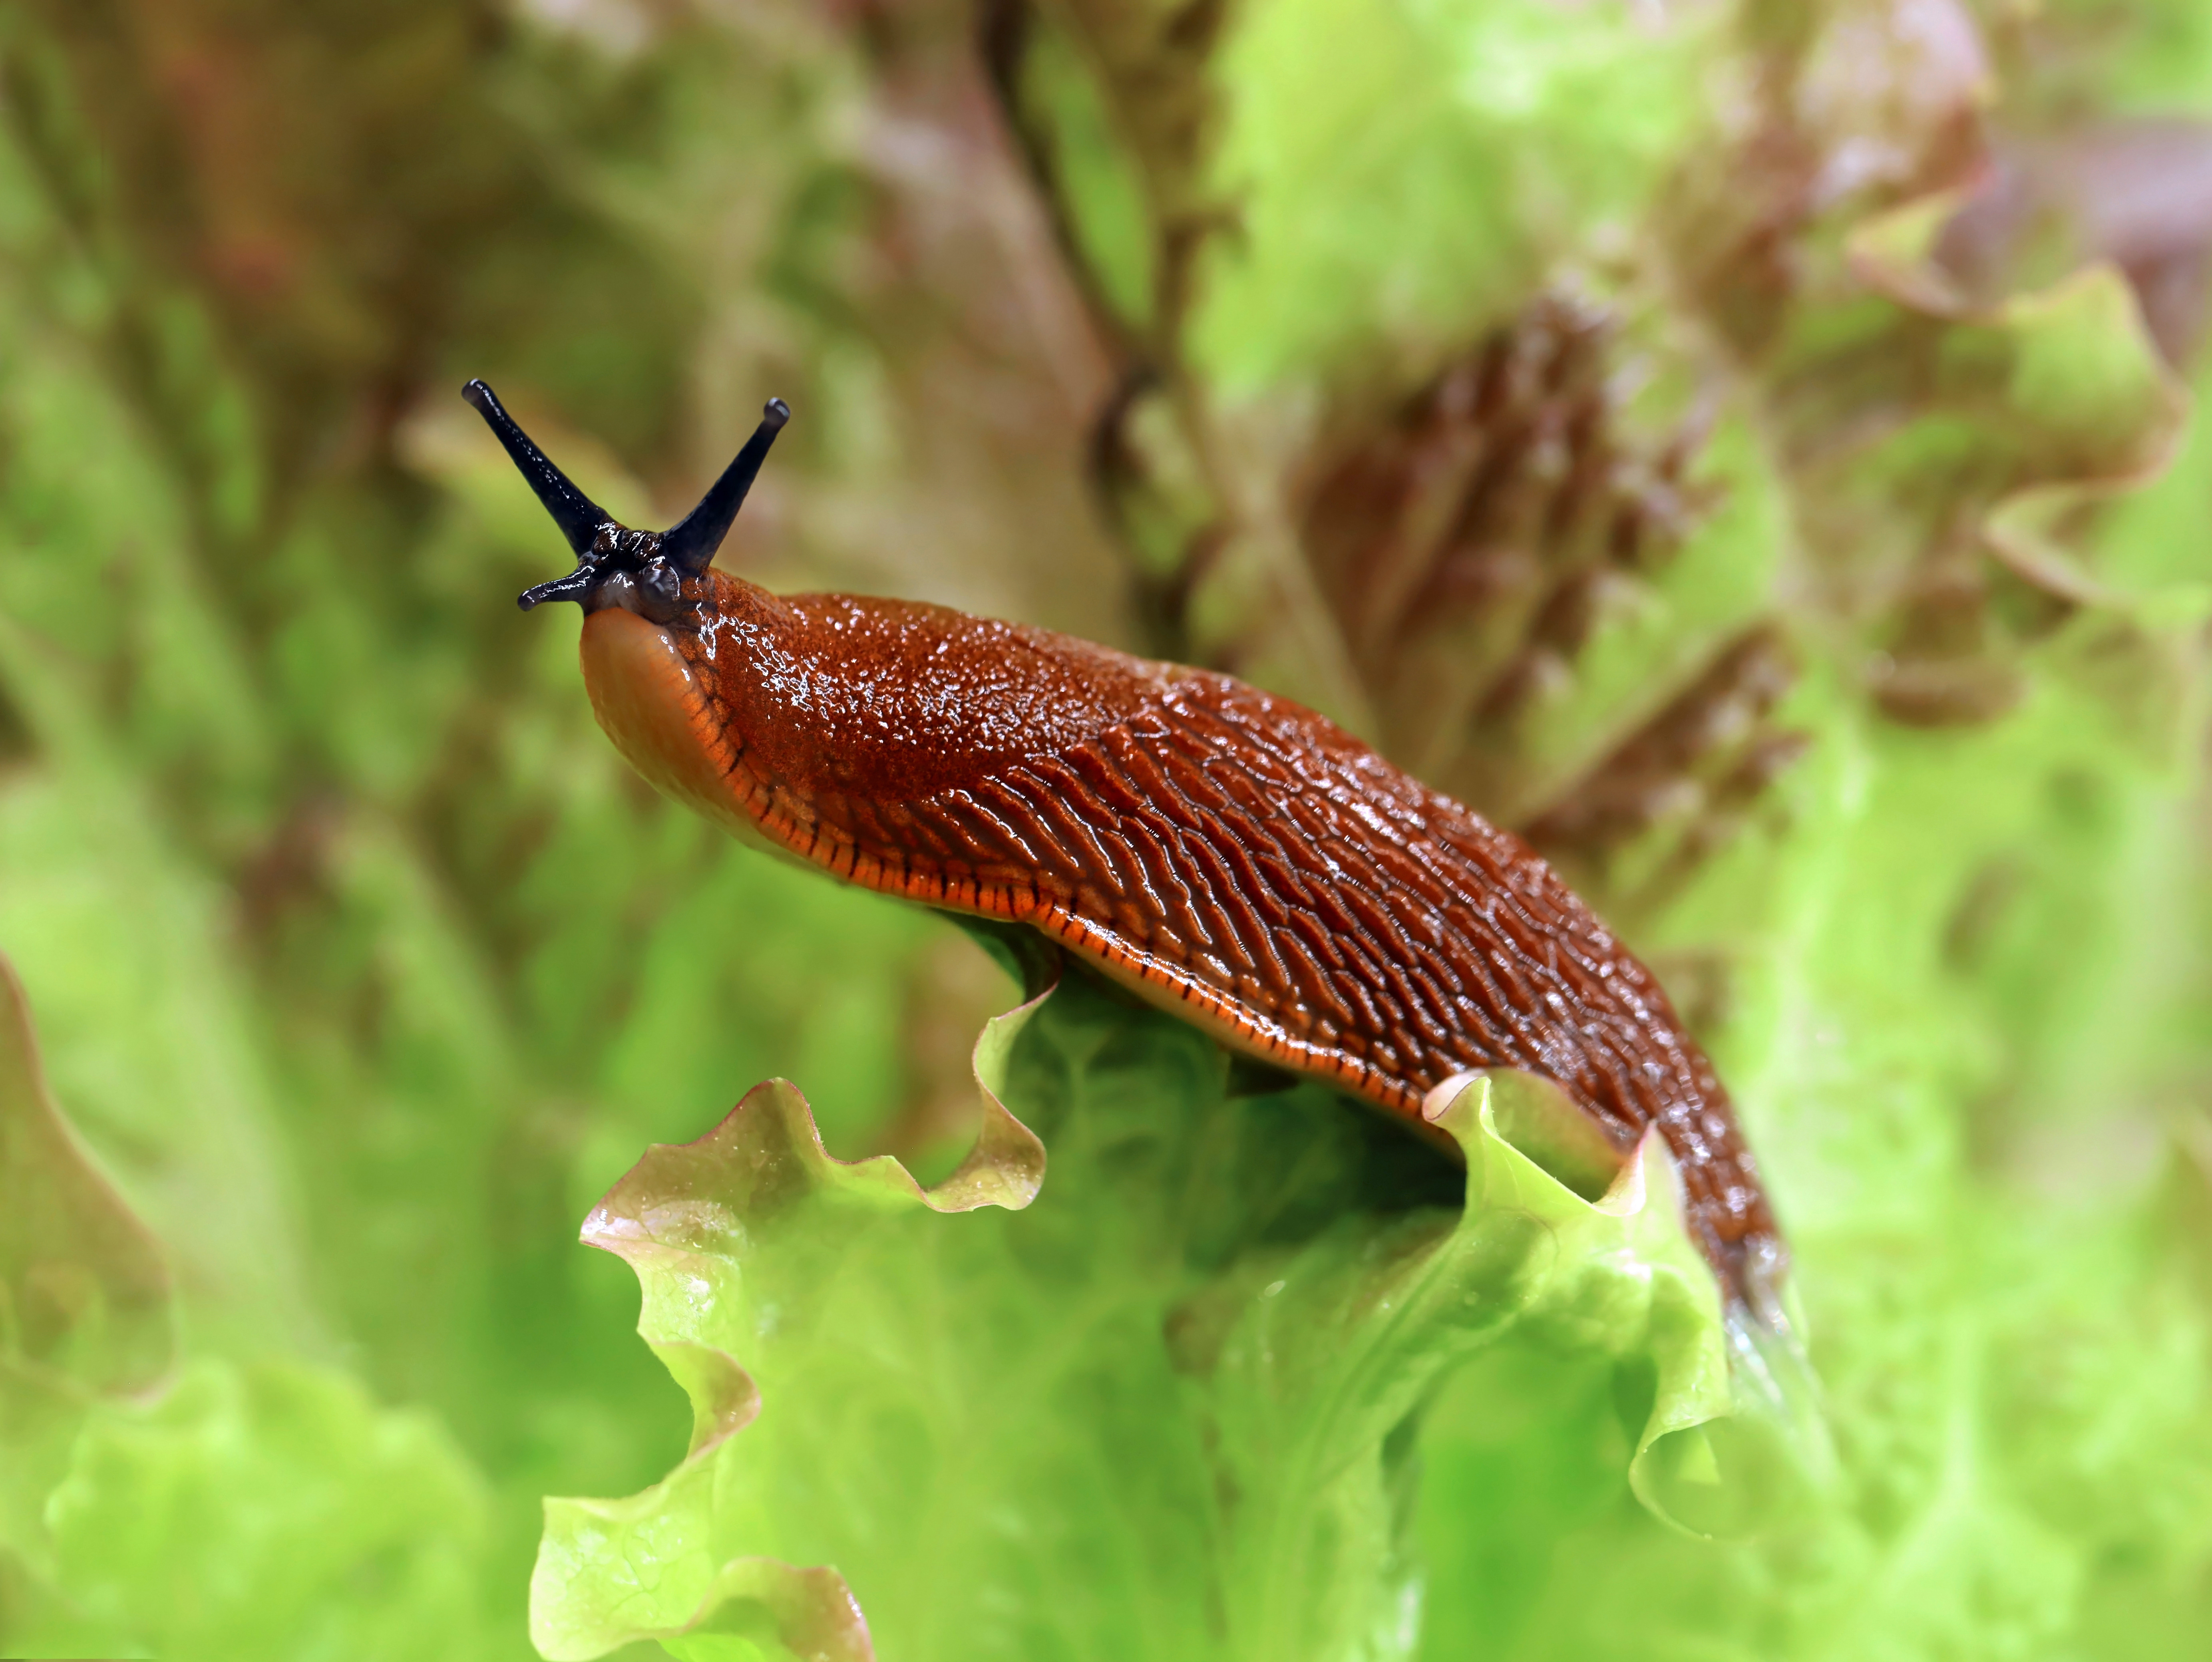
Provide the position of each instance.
(1230, 857)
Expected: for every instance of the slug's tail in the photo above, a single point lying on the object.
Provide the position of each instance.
(1766, 1462)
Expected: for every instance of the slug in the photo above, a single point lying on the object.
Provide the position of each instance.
(1235, 859)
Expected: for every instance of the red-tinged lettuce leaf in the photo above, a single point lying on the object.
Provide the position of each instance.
(2063, 390)
(761, 1174)
(1171, 1409)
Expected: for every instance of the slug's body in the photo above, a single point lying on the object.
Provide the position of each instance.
(1233, 858)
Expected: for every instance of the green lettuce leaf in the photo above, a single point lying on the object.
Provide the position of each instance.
(84, 1293)
(268, 1509)
(1348, 124)
(85, 1313)
(272, 1509)
(1170, 1409)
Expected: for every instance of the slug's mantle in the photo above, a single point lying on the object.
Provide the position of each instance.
(1230, 857)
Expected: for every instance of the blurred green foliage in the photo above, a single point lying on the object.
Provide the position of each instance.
(358, 957)
(1822, 617)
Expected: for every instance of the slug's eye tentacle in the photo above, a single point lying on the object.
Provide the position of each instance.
(642, 570)
(579, 516)
(690, 546)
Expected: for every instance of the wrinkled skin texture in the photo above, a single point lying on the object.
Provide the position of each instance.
(1233, 858)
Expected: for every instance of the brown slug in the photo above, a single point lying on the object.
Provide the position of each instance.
(1230, 857)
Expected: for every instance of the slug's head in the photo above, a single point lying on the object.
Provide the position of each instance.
(659, 575)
